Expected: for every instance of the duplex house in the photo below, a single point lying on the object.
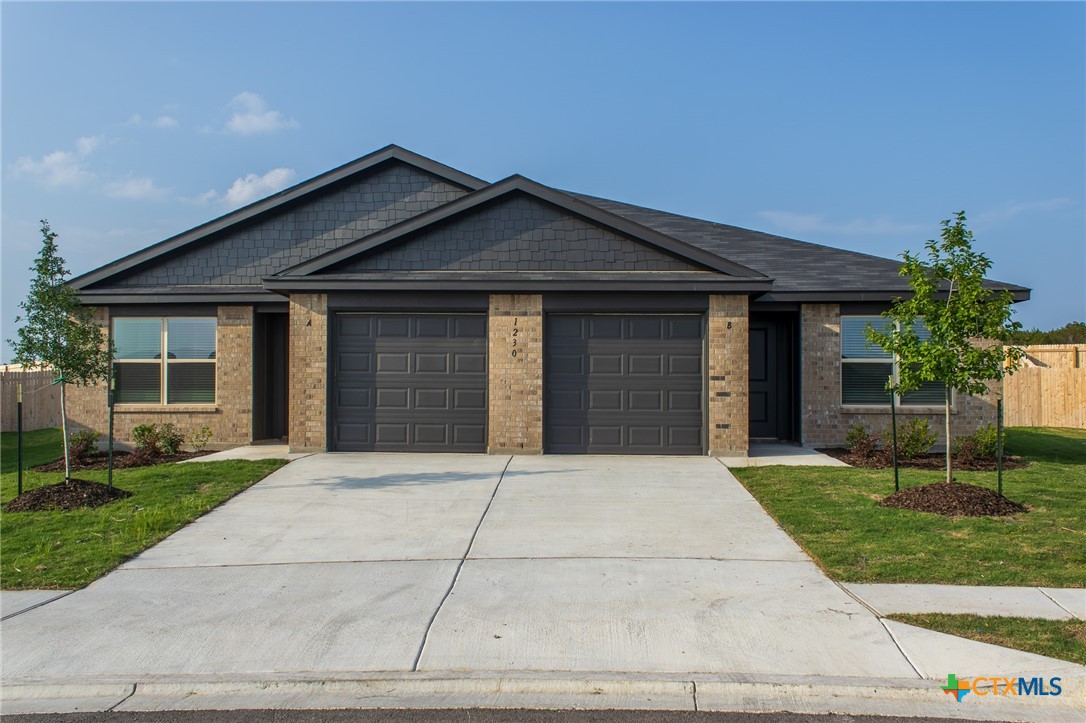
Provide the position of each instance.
(397, 304)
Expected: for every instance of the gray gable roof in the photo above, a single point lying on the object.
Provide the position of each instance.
(797, 267)
(476, 203)
(261, 229)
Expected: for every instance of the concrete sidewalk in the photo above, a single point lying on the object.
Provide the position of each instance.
(1026, 602)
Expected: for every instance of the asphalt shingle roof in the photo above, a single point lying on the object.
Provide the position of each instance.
(795, 266)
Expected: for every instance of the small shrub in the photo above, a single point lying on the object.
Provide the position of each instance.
(915, 438)
(170, 438)
(860, 442)
(982, 444)
(82, 444)
(146, 439)
(199, 438)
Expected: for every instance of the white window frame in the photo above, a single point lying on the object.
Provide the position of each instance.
(164, 362)
(895, 366)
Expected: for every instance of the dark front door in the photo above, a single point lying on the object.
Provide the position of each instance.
(270, 376)
(617, 384)
(409, 382)
(771, 377)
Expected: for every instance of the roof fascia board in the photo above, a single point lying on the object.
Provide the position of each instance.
(278, 200)
(819, 297)
(107, 298)
(509, 185)
(534, 285)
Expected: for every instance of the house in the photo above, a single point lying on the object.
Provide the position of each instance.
(398, 304)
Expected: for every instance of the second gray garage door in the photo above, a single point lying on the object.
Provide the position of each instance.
(409, 382)
(623, 384)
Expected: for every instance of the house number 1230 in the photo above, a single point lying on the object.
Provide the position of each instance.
(516, 330)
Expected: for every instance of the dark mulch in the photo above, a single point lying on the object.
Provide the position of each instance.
(121, 460)
(954, 499)
(884, 459)
(73, 495)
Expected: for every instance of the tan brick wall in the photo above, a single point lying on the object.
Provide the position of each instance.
(308, 375)
(825, 422)
(729, 375)
(515, 374)
(230, 418)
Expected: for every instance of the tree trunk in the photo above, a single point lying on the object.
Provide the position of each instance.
(949, 478)
(64, 432)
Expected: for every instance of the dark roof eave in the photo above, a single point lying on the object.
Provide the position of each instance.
(524, 284)
(107, 297)
(278, 200)
(817, 297)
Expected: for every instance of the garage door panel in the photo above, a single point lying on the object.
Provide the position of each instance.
(605, 364)
(469, 363)
(431, 399)
(646, 364)
(609, 400)
(624, 384)
(424, 388)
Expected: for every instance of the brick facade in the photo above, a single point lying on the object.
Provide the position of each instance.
(230, 418)
(515, 374)
(825, 421)
(308, 373)
(729, 373)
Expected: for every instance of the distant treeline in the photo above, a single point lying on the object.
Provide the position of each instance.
(1073, 333)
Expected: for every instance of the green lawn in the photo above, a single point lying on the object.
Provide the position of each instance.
(833, 513)
(71, 549)
(1063, 639)
(39, 447)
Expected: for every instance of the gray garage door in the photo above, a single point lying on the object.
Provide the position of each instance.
(409, 382)
(623, 384)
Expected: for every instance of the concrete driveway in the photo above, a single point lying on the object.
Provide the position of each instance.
(367, 563)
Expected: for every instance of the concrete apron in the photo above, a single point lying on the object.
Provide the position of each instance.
(587, 582)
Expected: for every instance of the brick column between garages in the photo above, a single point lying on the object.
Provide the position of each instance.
(308, 373)
(515, 374)
(729, 375)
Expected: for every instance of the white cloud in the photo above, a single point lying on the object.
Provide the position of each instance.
(248, 188)
(162, 121)
(801, 223)
(1011, 210)
(61, 168)
(135, 189)
(252, 115)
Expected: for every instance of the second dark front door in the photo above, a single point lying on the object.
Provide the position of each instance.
(771, 377)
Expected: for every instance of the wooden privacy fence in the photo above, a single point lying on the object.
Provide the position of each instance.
(1049, 390)
(41, 402)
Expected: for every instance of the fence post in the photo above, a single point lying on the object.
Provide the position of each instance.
(19, 432)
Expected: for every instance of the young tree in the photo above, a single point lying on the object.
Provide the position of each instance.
(970, 326)
(58, 332)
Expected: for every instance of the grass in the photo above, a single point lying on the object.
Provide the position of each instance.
(64, 550)
(833, 513)
(1063, 639)
(39, 447)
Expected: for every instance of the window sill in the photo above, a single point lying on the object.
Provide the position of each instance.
(165, 408)
(866, 409)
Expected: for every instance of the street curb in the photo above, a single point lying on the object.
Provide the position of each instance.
(796, 694)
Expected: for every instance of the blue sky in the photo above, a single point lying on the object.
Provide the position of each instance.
(859, 125)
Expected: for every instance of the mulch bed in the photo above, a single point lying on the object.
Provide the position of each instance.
(75, 494)
(121, 460)
(953, 499)
(884, 459)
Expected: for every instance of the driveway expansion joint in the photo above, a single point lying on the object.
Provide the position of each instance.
(459, 567)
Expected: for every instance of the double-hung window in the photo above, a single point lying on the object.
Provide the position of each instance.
(164, 360)
(865, 367)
